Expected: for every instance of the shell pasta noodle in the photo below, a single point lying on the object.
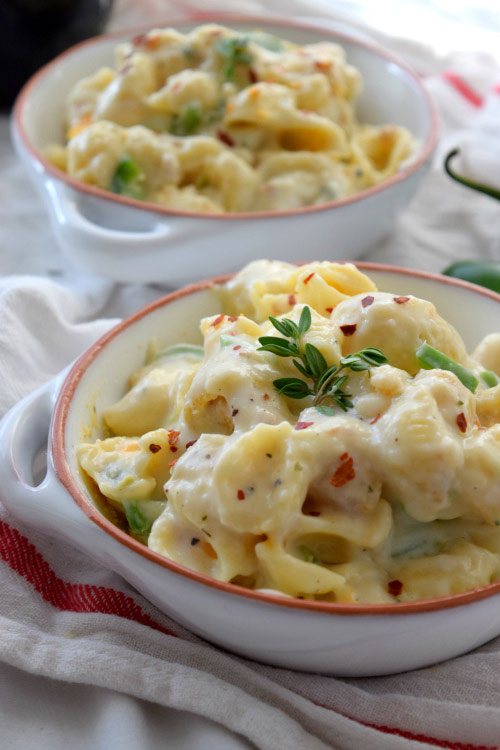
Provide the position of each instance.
(218, 121)
(327, 441)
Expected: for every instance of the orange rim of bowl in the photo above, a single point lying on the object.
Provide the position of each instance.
(195, 17)
(65, 476)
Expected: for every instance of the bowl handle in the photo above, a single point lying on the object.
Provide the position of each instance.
(102, 250)
(23, 436)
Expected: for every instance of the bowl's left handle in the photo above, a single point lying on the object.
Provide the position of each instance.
(113, 253)
(36, 500)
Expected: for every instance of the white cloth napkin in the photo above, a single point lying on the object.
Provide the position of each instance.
(63, 616)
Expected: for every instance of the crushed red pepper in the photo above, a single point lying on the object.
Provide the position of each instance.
(401, 300)
(348, 329)
(303, 425)
(395, 587)
(329, 309)
(173, 436)
(240, 495)
(344, 473)
(235, 348)
(291, 299)
(252, 75)
(217, 321)
(225, 138)
(232, 318)
(235, 412)
(154, 448)
(367, 301)
(173, 449)
(190, 443)
(313, 513)
(375, 419)
(172, 463)
(462, 422)
(308, 278)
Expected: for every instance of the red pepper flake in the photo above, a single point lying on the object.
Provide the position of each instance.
(367, 301)
(313, 513)
(154, 448)
(344, 473)
(303, 425)
(292, 299)
(308, 278)
(139, 40)
(235, 348)
(322, 64)
(225, 138)
(173, 437)
(266, 397)
(241, 495)
(252, 75)
(395, 587)
(190, 443)
(173, 449)
(172, 463)
(401, 300)
(349, 329)
(375, 419)
(462, 422)
(235, 412)
(344, 456)
(329, 309)
(218, 320)
(232, 318)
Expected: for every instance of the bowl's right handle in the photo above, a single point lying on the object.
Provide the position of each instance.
(46, 505)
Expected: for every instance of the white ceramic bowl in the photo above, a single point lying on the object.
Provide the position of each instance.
(345, 639)
(127, 240)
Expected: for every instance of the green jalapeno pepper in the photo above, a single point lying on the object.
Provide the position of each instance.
(483, 272)
(486, 189)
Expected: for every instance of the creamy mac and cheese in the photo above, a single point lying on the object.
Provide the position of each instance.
(218, 120)
(397, 497)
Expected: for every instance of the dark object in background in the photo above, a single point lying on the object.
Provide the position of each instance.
(486, 189)
(483, 272)
(32, 32)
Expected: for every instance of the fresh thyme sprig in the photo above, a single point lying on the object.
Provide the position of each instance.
(327, 380)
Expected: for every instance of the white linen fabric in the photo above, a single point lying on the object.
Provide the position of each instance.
(64, 617)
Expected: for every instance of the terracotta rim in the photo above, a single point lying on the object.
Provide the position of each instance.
(63, 471)
(425, 152)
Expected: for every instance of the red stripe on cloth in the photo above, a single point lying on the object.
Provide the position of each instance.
(24, 559)
(429, 740)
(463, 88)
(412, 735)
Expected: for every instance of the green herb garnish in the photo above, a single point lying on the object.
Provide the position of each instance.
(327, 380)
(137, 520)
(433, 359)
(234, 51)
(490, 378)
(307, 554)
(187, 122)
(127, 179)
